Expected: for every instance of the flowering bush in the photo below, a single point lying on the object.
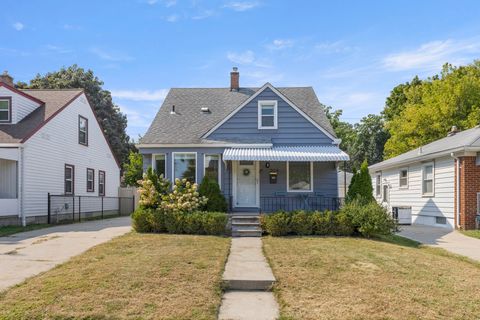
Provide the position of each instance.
(152, 188)
(183, 198)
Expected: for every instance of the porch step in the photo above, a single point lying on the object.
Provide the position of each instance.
(257, 232)
(246, 226)
(245, 219)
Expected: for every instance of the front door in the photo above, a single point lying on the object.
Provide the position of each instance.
(246, 184)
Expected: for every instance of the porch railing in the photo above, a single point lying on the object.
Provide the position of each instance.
(299, 202)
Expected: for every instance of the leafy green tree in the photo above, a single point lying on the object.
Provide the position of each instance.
(113, 122)
(370, 140)
(344, 131)
(432, 108)
(210, 189)
(133, 169)
(396, 101)
(361, 188)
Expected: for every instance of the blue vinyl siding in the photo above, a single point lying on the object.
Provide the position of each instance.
(293, 128)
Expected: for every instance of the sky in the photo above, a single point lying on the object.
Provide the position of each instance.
(351, 52)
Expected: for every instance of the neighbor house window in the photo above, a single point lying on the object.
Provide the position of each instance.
(159, 164)
(5, 109)
(378, 185)
(69, 179)
(267, 115)
(184, 166)
(90, 180)
(82, 130)
(403, 178)
(101, 183)
(428, 179)
(300, 176)
(212, 167)
(385, 193)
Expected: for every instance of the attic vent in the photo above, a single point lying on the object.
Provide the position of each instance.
(205, 110)
(173, 110)
(452, 131)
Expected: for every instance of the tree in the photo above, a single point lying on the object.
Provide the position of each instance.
(344, 131)
(210, 189)
(133, 169)
(395, 103)
(370, 140)
(113, 122)
(360, 188)
(432, 108)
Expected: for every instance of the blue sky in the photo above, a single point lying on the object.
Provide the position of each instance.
(352, 52)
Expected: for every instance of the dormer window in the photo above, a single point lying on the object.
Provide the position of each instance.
(267, 114)
(83, 130)
(5, 109)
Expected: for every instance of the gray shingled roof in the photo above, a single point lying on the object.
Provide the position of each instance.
(54, 100)
(468, 139)
(189, 124)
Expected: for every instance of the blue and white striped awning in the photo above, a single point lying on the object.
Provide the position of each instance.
(287, 153)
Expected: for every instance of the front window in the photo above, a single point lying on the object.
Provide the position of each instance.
(428, 179)
(300, 176)
(82, 130)
(69, 179)
(101, 183)
(184, 166)
(90, 180)
(212, 167)
(378, 185)
(403, 179)
(159, 163)
(5, 110)
(267, 114)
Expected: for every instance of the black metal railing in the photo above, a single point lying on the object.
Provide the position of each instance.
(71, 208)
(299, 202)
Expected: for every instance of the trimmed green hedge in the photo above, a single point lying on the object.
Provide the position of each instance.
(198, 222)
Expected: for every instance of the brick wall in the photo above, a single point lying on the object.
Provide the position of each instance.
(469, 186)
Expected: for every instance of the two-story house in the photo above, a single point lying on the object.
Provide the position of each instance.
(268, 148)
(50, 142)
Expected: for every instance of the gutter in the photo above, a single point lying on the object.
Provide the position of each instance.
(457, 186)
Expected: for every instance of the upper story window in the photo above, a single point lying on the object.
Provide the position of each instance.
(403, 178)
(5, 109)
(428, 179)
(83, 130)
(267, 114)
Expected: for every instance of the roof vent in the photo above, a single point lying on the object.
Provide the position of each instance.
(205, 110)
(453, 131)
(173, 110)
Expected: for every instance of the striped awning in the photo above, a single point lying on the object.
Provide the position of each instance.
(287, 153)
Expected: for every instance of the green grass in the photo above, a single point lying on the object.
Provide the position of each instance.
(472, 233)
(355, 278)
(9, 230)
(136, 276)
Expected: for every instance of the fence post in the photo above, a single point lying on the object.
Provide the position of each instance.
(49, 210)
(119, 206)
(79, 208)
(73, 209)
(133, 204)
(102, 207)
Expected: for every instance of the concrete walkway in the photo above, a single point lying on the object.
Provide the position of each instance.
(26, 254)
(450, 240)
(249, 279)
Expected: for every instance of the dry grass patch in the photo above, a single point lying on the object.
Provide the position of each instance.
(472, 233)
(352, 278)
(136, 276)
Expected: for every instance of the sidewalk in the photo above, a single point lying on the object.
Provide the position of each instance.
(249, 279)
(26, 254)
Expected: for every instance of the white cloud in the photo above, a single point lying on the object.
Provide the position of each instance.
(138, 118)
(279, 44)
(246, 57)
(241, 5)
(333, 47)
(110, 56)
(432, 55)
(140, 95)
(18, 26)
(204, 15)
(57, 49)
(172, 18)
(170, 3)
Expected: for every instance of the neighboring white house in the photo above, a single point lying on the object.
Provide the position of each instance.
(50, 142)
(422, 185)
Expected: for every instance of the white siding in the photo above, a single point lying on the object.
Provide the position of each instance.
(55, 145)
(21, 106)
(424, 209)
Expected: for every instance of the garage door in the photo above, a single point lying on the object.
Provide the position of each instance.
(403, 214)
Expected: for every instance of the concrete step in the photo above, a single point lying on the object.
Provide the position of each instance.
(241, 219)
(247, 224)
(246, 233)
(246, 228)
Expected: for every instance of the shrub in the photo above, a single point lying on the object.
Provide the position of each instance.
(343, 225)
(210, 189)
(301, 223)
(214, 223)
(369, 219)
(183, 198)
(158, 221)
(194, 223)
(361, 188)
(152, 188)
(175, 222)
(323, 223)
(142, 220)
(278, 224)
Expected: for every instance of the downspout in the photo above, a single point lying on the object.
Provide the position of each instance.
(344, 179)
(457, 187)
(20, 187)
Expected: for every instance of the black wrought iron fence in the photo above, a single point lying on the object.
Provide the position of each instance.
(299, 202)
(68, 208)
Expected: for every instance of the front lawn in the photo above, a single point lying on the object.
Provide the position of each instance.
(354, 278)
(9, 230)
(136, 276)
(472, 233)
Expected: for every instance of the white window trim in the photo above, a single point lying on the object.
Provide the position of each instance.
(311, 178)
(9, 110)
(219, 166)
(275, 113)
(173, 165)
(154, 164)
(378, 195)
(431, 194)
(399, 178)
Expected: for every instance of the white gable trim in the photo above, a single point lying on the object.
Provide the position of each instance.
(265, 86)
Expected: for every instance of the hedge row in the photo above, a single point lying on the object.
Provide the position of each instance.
(156, 220)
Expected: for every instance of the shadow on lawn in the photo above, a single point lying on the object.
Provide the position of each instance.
(398, 240)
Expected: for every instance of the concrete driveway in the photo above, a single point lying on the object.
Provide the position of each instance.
(26, 254)
(450, 240)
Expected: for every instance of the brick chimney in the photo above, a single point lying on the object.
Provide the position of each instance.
(234, 79)
(6, 78)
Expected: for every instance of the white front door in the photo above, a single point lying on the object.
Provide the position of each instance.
(246, 184)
